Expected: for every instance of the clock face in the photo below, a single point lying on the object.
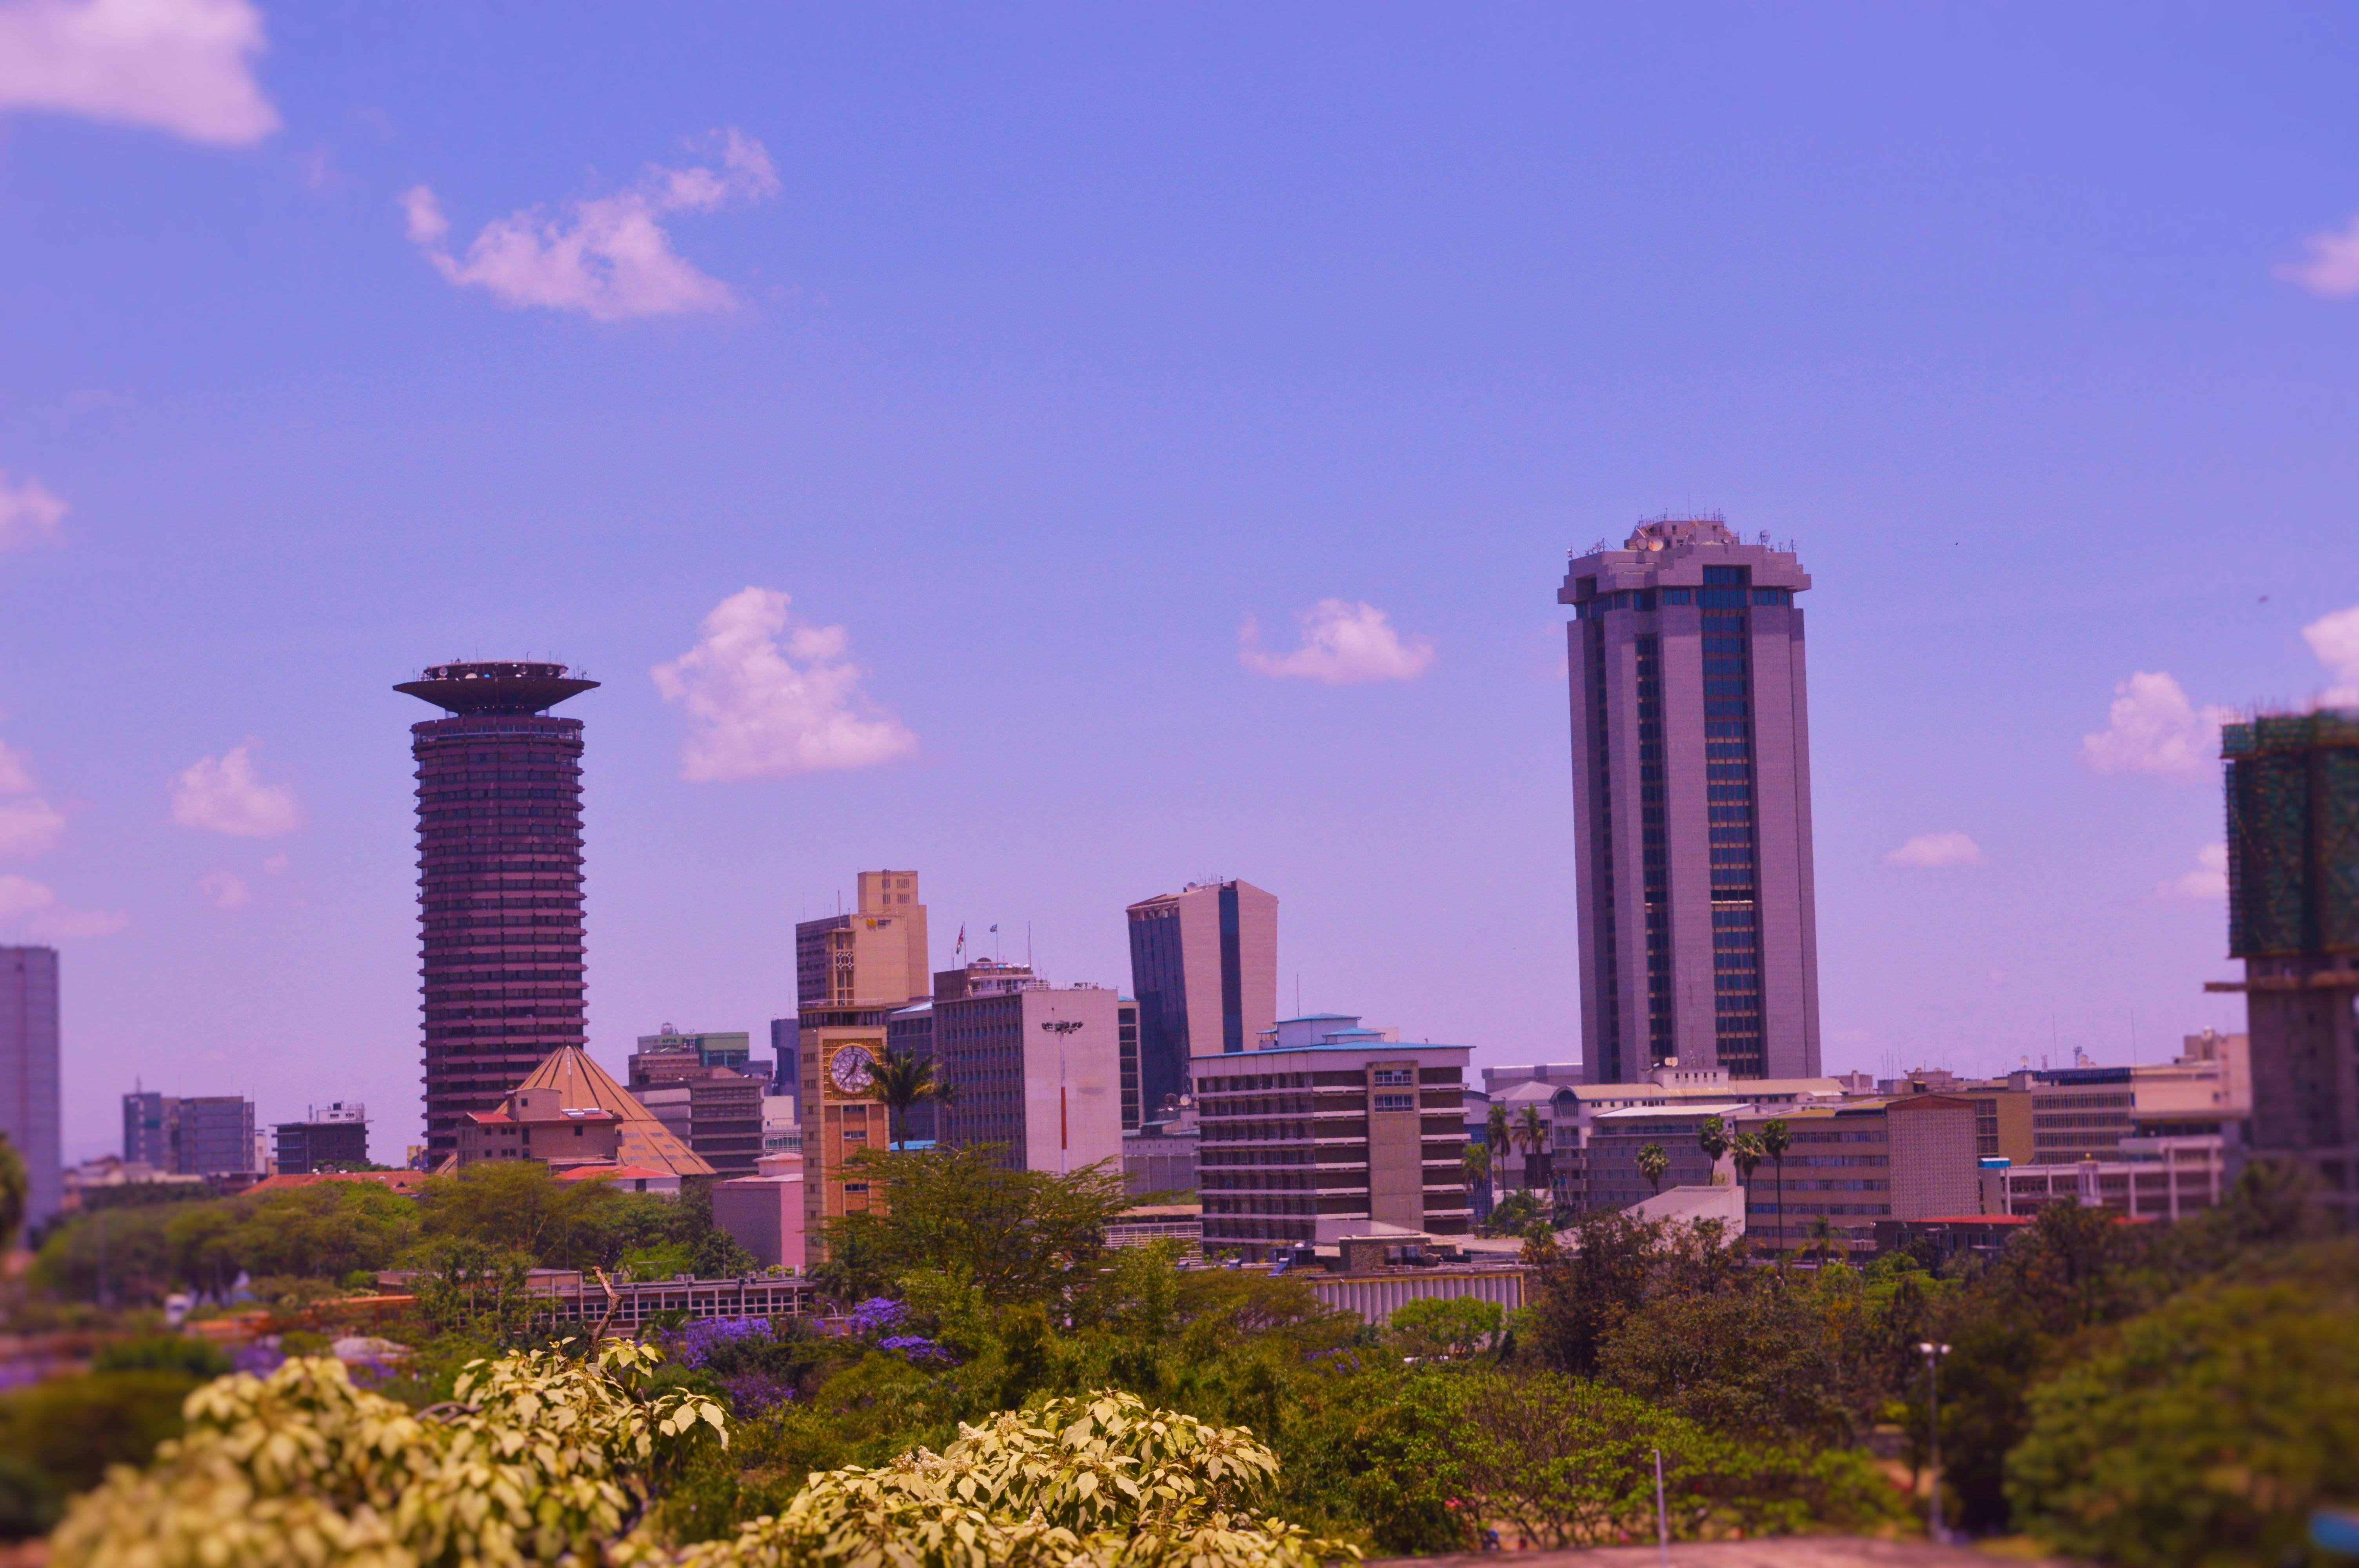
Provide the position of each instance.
(849, 1069)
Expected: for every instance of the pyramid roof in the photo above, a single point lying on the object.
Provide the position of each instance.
(582, 1083)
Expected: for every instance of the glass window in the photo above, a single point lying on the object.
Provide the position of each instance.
(1678, 596)
(1725, 576)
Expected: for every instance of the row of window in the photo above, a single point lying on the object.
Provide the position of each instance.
(1646, 600)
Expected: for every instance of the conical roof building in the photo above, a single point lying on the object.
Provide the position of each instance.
(582, 1083)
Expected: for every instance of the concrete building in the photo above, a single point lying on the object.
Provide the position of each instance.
(909, 1031)
(2161, 1178)
(499, 860)
(764, 1212)
(1126, 1034)
(2293, 918)
(28, 1074)
(877, 954)
(333, 1135)
(1692, 805)
(703, 1097)
(151, 1131)
(643, 1142)
(1203, 964)
(534, 1124)
(1037, 1070)
(786, 1056)
(1161, 1157)
(1329, 1133)
(731, 1048)
(1861, 1162)
(1617, 1137)
(216, 1136)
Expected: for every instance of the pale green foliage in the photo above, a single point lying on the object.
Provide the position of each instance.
(1444, 1326)
(538, 1458)
(1099, 1480)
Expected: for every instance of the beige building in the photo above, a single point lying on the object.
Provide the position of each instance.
(852, 973)
(1203, 967)
(1331, 1134)
(536, 1124)
(1907, 1158)
(1037, 1070)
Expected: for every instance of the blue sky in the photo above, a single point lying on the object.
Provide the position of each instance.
(1037, 349)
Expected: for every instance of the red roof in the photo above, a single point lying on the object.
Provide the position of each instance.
(614, 1173)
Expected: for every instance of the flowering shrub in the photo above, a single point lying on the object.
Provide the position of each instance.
(879, 1315)
(751, 1393)
(916, 1347)
(707, 1335)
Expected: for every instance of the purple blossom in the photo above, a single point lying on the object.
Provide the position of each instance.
(916, 1346)
(260, 1357)
(875, 1315)
(751, 1393)
(707, 1334)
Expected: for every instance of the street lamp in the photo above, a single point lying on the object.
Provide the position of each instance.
(1933, 1354)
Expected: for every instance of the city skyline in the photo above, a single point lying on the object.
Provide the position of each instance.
(1146, 484)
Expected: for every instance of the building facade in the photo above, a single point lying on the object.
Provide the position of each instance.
(534, 1124)
(1037, 1074)
(499, 861)
(875, 953)
(1204, 966)
(2293, 918)
(1855, 1165)
(150, 1128)
(1692, 805)
(28, 1074)
(852, 972)
(215, 1135)
(334, 1136)
(1326, 1135)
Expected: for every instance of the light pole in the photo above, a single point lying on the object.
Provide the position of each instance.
(1933, 1354)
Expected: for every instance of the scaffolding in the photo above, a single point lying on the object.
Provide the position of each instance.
(2293, 834)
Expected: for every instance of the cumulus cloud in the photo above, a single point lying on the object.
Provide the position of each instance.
(1344, 642)
(29, 513)
(2154, 729)
(181, 66)
(609, 257)
(34, 908)
(2208, 880)
(2331, 267)
(224, 794)
(1951, 848)
(2335, 640)
(30, 826)
(225, 890)
(767, 696)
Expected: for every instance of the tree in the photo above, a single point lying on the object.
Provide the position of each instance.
(1749, 1154)
(517, 1205)
(1531, 1130)
(1449, 1327)
(1653, 1163)
(902, 1079)
(1713, 1139)
(1751, 1362)
(1826, 1240)
(1018, 1235)
(1494, 1128)
(1092, 1479)
(1475, 1164)
(538, 1457)
(13, 1187)
(1776, 1139)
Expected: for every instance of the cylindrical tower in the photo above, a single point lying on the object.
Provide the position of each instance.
(499, 882)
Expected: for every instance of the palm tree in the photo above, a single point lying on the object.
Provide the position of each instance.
(1532, 1132)
(1495, 1131)
(1774, 1140)
(1749, 1155)
(1475, 1164)
(1713, 1139)
(901, 1080)
(1653, 1164)
(1825, 1241)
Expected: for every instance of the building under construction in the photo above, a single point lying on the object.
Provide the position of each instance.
(2293, 917)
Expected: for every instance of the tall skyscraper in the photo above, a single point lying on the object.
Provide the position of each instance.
(1203, 964)
(499, 861)
(28, 1073)
(1692, 805)
(2293, 917)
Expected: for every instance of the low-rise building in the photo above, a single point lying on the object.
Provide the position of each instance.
(762, 1213)
(1161, 1157)
(1855, 1163)
(2159, 1177)
(534, 1124)
(336, 1134)
(1618, 1136)
(1326, 1130)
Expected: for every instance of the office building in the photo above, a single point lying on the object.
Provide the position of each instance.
(331, 1137)
(731, 1048)
(1203, 965)
(499, 861)
(1125, 1035)
(909, 1031)
(762, 1213)
(1328, 1135)
(216, 1136)
(28, 1074)
(151, 1131)
(875, 953)
(2293, 918)
(1858, 1163)
(1037, 1069)
(786, 1054)
(2155, 1177)
(1692, 805)
(1617, 1138)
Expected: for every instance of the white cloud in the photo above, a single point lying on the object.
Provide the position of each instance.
(1951, 848)
(181, 66)
(2331, 268)
(225, 890)
(34, 907)
(608, 257)
(30, 513)
(1344, 642)
(2154, 729)
(2335, 640)
(762, 708)
(30, 826)
(2208, 880)
(224, 794)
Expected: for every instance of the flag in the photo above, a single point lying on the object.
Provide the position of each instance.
(961, 941)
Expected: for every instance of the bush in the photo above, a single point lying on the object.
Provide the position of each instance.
(2207, 1431)
(71, 1429)
(198, 1360)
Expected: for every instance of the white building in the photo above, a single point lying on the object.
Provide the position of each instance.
(1038, 1074)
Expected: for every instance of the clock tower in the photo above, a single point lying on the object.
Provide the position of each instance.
(853, 971)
